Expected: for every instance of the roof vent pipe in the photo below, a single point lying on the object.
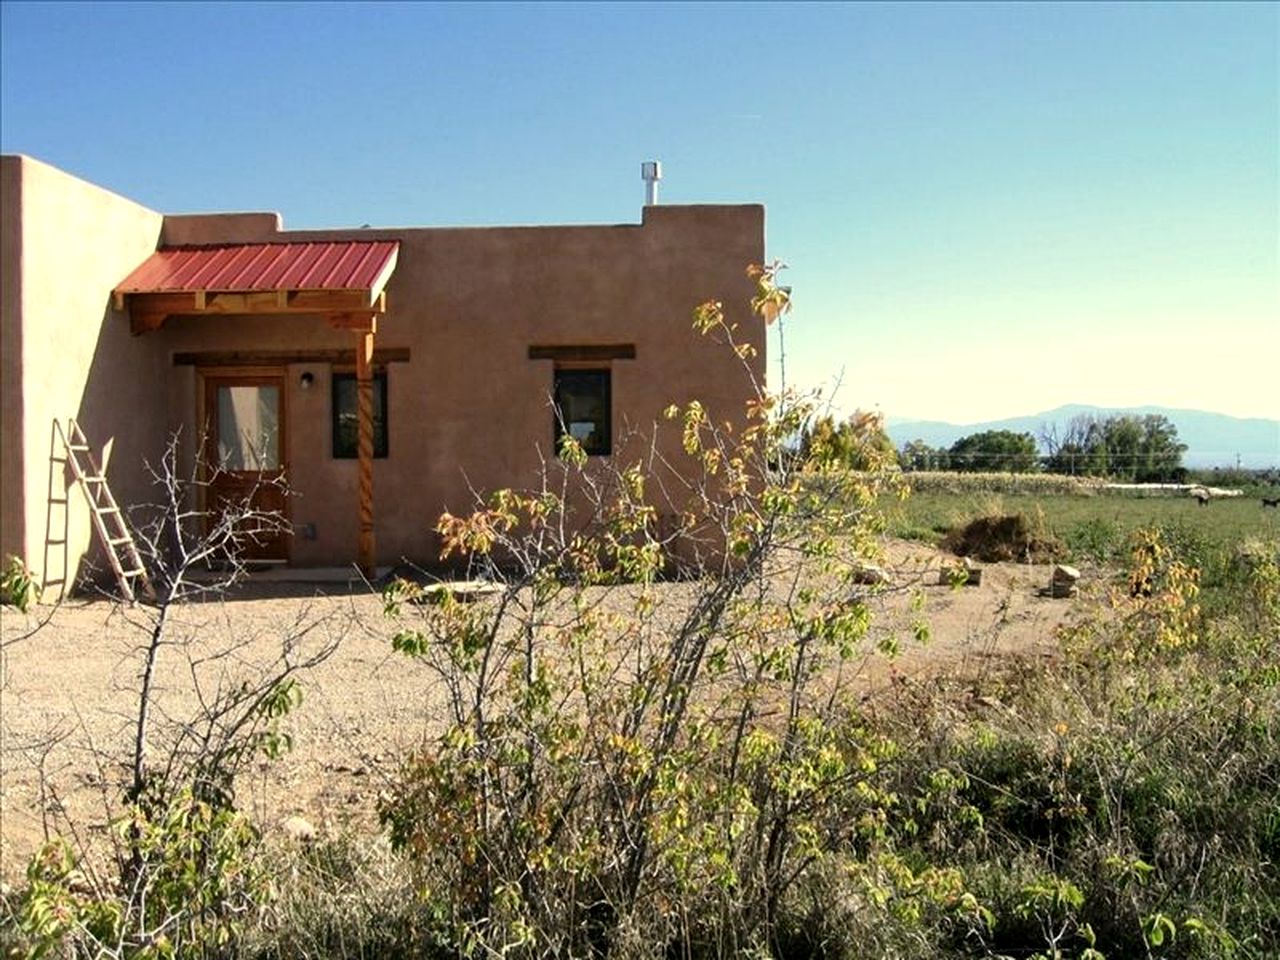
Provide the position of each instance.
(651, 173)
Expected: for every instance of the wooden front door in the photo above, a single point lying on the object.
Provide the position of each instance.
(245, 457)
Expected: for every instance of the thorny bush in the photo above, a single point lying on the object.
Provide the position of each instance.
(184, 873)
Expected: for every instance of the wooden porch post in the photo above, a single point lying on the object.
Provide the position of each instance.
(364, 394)
(364, 326)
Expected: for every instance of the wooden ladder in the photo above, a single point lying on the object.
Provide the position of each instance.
(108, 521)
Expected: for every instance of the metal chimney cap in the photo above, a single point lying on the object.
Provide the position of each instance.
(651, 170)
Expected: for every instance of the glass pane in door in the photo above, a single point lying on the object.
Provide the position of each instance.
(249, 427)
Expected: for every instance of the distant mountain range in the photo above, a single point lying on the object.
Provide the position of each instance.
(1212, 439)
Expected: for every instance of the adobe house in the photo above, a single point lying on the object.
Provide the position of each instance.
(388, 373)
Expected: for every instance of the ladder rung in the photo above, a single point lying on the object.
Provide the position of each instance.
(103, 506)
(55, 543)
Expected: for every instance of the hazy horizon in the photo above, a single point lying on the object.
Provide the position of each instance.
(1091, 406)
(1212, 439)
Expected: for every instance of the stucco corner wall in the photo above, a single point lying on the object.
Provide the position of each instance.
(78, 359)
(12, 516)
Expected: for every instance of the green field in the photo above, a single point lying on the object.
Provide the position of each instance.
(1097, 528)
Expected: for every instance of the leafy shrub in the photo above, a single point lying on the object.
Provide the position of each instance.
(185, 895)
(623, 767)
(1123, 799)
(17, 584)
(858, 443)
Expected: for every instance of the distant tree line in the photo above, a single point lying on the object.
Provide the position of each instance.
(1133, 449)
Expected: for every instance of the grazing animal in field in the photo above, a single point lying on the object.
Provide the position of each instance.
(1201, 495)
(1271, 503)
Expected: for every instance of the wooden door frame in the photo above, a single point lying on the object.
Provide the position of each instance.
(207, 379)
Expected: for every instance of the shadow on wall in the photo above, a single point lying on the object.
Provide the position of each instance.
(125, 413)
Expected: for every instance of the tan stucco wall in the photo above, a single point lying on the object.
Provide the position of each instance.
(12, 513)
(183, 229)
(469, 411)
(76, 357)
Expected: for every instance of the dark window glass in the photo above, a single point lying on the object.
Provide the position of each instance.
(582, 409)
(346, 416)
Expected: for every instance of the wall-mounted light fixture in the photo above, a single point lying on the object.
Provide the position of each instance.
(306, 380)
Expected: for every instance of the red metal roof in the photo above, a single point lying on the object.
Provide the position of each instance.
(245, 267)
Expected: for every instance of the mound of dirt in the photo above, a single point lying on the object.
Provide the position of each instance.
(993, 539)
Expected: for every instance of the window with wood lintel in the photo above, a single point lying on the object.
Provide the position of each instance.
(582, 392)
(583, 409)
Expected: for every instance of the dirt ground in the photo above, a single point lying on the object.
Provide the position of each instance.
(66, 690)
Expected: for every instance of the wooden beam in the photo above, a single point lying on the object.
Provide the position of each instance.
(585, 351)
(359, 322)
(293, 301)
(364, 397)
(204, 303)
(271, 358)
(381, 279)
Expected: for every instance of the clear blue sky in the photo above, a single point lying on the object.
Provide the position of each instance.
(988, 209)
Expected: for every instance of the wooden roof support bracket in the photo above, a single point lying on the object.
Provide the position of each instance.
(144, 321)
(364, 321)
